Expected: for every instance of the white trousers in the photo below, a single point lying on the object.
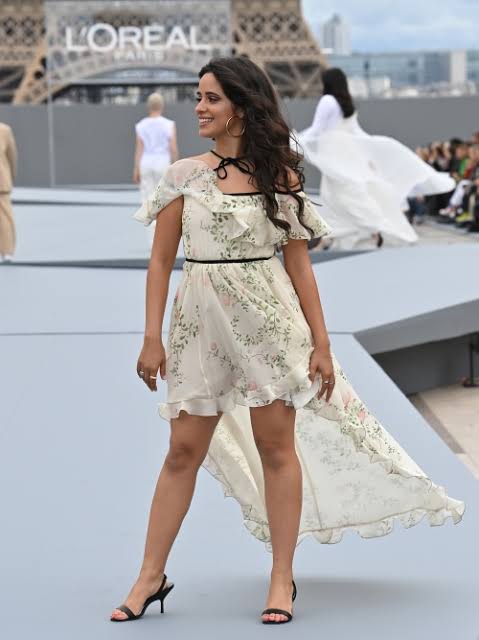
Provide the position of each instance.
(458, 195)
(150, 176)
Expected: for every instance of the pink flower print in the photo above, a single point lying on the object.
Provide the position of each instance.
(227, 300)
(362, 414)
(346, 397)
(252, 386)
(213, 346)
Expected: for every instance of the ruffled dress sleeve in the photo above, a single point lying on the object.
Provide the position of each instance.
(288, 210)
(169, 188)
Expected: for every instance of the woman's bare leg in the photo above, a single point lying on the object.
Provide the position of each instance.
(189, 442)
(273, 429)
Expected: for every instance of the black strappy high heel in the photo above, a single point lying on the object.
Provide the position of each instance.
(282, 612)
(159, 595)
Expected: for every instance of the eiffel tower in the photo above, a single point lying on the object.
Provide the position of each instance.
(273, 33)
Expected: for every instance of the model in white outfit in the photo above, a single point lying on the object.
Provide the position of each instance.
(156, 149)
(365, 179)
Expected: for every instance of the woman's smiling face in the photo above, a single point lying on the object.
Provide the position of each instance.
(214, 109)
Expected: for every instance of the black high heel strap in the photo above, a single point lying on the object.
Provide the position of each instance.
(163, 582)
(126, 610)
(147, 602)
(282, 612)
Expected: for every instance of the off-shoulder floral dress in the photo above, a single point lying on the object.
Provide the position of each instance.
(238, 338)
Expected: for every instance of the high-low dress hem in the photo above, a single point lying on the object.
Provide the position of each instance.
(454, 509)
(304, 397)
(238, 339)
(442, 506)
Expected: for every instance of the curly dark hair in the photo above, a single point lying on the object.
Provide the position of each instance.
(267, 136)
(335, 83)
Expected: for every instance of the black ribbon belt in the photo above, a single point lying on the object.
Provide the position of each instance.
(235, 260)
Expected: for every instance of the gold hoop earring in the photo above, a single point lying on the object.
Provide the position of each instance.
(229, 132)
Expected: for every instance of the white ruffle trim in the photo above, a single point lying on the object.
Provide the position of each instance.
(248, 220)
(259, 528)
(296, 389)
(450, 508)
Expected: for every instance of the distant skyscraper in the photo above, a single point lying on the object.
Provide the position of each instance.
(334, 36)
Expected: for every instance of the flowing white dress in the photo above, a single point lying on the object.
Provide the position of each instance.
(365, 179)
(238, 338)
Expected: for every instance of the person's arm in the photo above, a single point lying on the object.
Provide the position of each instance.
(298, 266)
(139, 147)
(323, 115)
(174, 145)
(163, 254)
(11, 153)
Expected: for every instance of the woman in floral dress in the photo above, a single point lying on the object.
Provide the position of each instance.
(254, 394)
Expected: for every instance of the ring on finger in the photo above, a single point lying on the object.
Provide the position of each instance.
(141, 373)
(153, 377)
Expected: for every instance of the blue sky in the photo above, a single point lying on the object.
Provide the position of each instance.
(412, 24)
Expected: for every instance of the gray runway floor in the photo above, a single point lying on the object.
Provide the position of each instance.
(82, 445)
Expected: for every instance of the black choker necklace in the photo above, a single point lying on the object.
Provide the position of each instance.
(240, 163)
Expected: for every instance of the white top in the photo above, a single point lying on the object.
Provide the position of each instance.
(327, 115)
(155, 133)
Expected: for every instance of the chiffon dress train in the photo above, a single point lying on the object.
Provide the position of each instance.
(238, 338)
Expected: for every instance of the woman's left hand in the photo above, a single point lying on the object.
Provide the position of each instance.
(322, 363)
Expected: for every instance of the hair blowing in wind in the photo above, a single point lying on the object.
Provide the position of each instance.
(267, 136)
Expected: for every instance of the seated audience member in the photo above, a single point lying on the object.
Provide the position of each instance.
(462, 202)
(457, 167)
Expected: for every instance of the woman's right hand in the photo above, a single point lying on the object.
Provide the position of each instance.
(152, 359)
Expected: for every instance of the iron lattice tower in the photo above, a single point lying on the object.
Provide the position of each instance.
(273, 33)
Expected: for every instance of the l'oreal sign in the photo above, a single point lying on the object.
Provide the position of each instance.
(102, 37)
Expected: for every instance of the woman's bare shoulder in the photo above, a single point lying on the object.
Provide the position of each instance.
(185, 165)
(205, 158)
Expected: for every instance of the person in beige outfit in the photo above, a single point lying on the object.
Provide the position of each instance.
(8, 168)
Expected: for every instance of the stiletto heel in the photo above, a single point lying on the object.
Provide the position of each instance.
(282, 612)
(159, 595)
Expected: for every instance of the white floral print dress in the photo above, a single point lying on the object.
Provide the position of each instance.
(238, 338)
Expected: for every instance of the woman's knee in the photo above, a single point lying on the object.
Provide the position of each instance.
(274, 453)
(189, 441)
(182, 456)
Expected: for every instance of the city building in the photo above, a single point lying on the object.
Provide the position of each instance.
(334, 36)
(448, 70)
(473, 66)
